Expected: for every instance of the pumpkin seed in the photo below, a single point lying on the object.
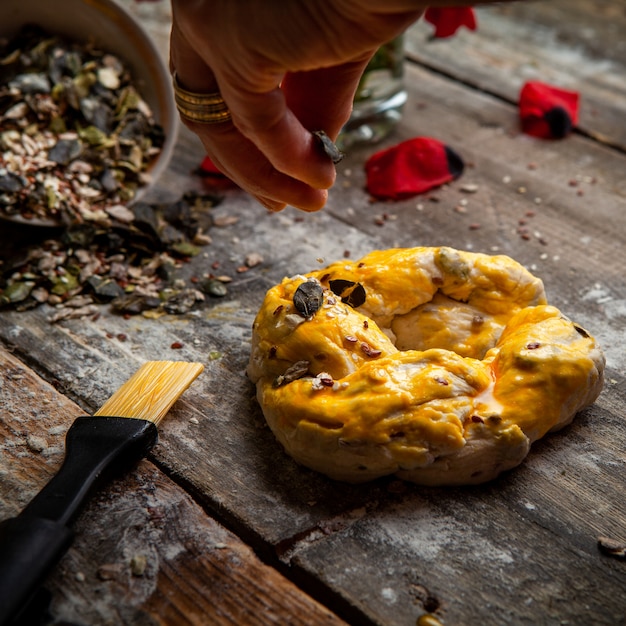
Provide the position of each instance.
(308, 298)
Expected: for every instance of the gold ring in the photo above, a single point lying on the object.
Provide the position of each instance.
(203, 108)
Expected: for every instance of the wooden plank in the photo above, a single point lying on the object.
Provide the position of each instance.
(575, 44)
(144, 552)
(510, 553)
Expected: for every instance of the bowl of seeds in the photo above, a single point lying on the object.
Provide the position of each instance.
(87, 115)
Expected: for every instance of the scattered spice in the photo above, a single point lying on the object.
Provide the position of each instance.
(323, 379)
(469, 188)
(214, 287)
(351, 293)
(294, 372)
(138, 565)
(369, 351)
(135, 266)
(253, 259)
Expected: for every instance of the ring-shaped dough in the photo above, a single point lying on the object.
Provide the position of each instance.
(436, 365)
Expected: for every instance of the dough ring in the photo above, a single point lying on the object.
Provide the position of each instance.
(436, 365)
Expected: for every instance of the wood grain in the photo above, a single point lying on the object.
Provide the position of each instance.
(574, 44)
(144, 551)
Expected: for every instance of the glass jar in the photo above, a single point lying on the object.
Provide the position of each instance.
(379, 98)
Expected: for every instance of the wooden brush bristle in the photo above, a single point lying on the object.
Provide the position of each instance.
(151, 391)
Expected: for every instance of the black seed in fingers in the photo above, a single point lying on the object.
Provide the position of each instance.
(329, 147)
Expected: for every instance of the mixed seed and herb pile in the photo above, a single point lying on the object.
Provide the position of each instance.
(76, 137)
(76, 141)
(136, 263)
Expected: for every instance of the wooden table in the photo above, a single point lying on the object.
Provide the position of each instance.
(218, 525)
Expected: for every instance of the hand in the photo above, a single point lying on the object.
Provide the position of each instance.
(284, 69)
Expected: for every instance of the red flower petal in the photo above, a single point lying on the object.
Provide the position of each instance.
(208, 167)
(448, 21)
(209, 171)
(410, 168)
(546, 111)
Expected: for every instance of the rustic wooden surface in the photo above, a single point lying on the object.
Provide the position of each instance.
(232, 530)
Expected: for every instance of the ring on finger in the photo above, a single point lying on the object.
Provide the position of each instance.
(201, 108)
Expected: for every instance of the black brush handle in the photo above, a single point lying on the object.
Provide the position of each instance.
(32, 543)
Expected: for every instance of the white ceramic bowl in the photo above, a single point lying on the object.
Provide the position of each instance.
(115, 31)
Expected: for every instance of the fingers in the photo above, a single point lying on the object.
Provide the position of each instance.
(254, 172)
(322, 99)
(256, 163)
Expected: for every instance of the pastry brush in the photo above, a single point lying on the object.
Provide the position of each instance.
(97, 447)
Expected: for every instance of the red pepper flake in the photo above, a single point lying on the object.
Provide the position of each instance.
(533, 345)
(410, 168)
(273, 351)
(278, 309)
(442, 381)
(194, 279)
(369, 351)
(477, 419)
(448, 21)
(366, 324)
(346, 254)
(121, 337)
(177, 345)
(351, 339)
(474, 226)
(546, 111)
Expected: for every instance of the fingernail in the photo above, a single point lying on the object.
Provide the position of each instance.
(271, 205)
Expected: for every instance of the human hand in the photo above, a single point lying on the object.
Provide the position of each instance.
(285, 69)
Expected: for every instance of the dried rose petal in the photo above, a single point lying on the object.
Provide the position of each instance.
(546, 111)
(448, 21)
(411, 167)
